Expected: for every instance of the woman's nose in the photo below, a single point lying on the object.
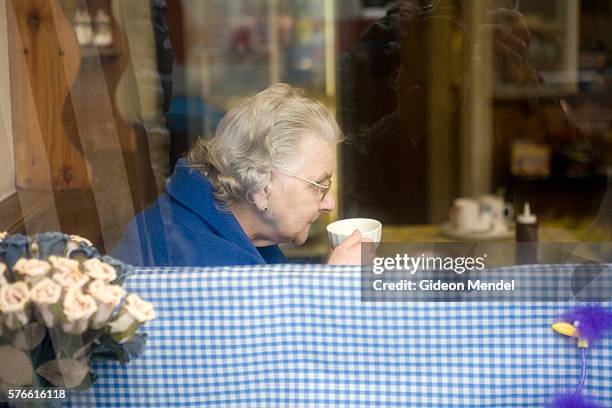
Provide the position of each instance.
(328, 204)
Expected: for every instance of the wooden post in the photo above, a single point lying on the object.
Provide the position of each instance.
(45, 59)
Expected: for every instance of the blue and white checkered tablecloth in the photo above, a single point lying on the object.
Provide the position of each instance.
(299, 335)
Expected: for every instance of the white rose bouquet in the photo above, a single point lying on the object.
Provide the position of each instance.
(62, 306)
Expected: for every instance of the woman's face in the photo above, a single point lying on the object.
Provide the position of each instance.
(295, 204)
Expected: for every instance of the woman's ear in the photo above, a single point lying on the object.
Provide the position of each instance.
(260, 198)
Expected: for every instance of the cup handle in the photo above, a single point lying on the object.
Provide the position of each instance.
(508, 210)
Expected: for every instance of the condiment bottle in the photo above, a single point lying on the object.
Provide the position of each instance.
(526, 237)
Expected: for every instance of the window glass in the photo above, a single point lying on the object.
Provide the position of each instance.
(494, 101)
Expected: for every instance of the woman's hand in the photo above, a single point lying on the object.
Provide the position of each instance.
(349, 251)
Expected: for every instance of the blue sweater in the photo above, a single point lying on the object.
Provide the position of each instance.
(183, 227)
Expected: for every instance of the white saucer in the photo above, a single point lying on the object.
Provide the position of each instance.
(488, 235)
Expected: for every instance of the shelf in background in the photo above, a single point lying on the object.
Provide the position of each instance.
(99, 52)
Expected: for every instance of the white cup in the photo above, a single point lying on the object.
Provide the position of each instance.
(465, 216)
(499, 210)
(340, 230)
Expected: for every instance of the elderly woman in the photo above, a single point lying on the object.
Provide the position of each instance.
(263, 179)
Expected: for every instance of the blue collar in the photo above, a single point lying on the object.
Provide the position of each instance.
(192, 190)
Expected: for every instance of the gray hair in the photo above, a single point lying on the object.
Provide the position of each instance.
(261, 134)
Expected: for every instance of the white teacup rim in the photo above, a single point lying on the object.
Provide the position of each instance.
(365, 225)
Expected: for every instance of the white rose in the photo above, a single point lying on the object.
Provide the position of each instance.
(67, 272)
(96, 269)
(74, 243)
(3, 235)
(141, 310)
(46, 295)
(107, 297)
(3, 280)
(78, 308)
(134, 313)
(61, 264)
(14, 299)
(31, 270)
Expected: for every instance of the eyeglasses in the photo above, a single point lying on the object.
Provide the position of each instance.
(323, 190)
